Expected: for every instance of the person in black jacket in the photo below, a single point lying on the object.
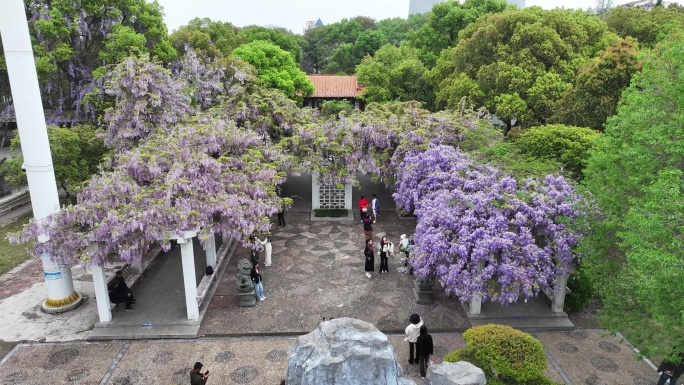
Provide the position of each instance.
(369, 255)
(424, 349)
(258, 282)
(671, 370)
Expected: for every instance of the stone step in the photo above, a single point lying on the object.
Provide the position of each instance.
(528, 324)
(143, 332)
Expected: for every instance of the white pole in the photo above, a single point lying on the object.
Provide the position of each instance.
(35, 147)
(101, 293)
(210, 247)
(189, 281)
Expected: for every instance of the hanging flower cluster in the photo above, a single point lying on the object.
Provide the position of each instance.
(484, 234)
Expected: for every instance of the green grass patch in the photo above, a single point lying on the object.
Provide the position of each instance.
(330, 213)
(12, 255)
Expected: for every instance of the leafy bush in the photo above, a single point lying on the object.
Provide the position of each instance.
(516, 357)
(567, 145)
(579, 283)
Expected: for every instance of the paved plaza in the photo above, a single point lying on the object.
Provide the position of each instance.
(317, 271)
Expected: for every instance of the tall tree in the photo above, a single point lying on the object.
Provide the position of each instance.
(211, 38)
(397, 29)
(647, 26)
(394, 73)
(445, 22)
(319, 43)
(281, 37)
(597, 88)
(518, 63)
(634, 251)
(276, 68)
(347, 56)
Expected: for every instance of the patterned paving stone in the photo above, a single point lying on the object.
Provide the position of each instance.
(318, 271)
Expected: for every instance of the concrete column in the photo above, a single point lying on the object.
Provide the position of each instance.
(348, 196)
(189, 281)
(101, 294)
(475, 307)
(315, 191)
(558, 301)
(100, 286)
(21, 69)
(210, 247)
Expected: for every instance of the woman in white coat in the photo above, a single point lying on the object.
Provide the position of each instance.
(268, 249)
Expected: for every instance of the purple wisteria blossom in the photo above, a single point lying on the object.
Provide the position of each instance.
(483, 234)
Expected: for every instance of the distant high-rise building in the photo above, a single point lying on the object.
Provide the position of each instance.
(422, 6)
(313, 24)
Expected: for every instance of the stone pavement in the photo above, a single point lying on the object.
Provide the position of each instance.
(318, 271)
(581, 357)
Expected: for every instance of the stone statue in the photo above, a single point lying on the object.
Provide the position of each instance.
(244, 284)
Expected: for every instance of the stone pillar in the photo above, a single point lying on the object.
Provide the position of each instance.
(315, 191)
(210, 247)
(475, 307)
(348, 196)
(21, 70)
(101, 293)
(558, 301)
(100, 286)
(189, 281)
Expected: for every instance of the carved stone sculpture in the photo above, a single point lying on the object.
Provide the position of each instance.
(244, 284)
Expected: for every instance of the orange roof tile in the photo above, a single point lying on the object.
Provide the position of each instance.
(332, 86)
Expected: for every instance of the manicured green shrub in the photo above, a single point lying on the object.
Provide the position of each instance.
(511, 354)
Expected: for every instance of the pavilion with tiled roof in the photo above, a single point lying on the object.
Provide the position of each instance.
(333, 87)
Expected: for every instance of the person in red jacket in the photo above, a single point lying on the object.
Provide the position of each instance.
(363, 204)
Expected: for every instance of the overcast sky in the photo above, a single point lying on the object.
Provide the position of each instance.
(293, 14)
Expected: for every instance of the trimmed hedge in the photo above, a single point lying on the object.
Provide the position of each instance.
(506, 355)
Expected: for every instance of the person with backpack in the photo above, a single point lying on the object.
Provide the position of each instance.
(671, 369)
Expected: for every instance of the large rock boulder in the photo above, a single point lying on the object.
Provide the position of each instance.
(344, 351)
(455, 373)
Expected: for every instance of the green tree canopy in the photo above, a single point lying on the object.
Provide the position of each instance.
(278, 36)
(567, 145)
(518, 63)
(276, 68)
(397, 29)
(445, 22)
(347, 56)
(394, 73)
(597, 88)
(645, 25)
(212, 38)
(76, 155)
(319, 43)
(634, 251)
